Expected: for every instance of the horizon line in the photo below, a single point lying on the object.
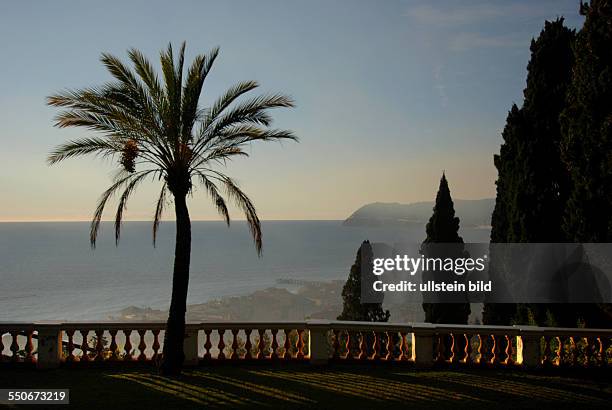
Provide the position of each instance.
(150, 221)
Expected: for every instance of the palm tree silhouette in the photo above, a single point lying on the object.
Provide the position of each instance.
(159, 131)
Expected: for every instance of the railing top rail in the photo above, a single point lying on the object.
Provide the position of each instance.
(312, 324)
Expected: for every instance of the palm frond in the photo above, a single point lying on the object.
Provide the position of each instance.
(228, 98)
(250, 112)
(159, 210)
(145, 70)
(216, 197)
(253, 111)
(83, 146)
(123, 200)
(171, 75)
(113, 111)
(243, 202)
(242, 134)
(223, 154)
(120, 180)
(196, 76)
(119, 70)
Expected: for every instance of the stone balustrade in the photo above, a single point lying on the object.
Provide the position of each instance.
(53, 344)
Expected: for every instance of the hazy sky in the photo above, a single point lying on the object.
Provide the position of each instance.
(389, 93)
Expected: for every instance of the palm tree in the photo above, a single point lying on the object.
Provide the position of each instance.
(159, 131)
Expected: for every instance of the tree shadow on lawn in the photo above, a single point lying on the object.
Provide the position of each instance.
(301, 386)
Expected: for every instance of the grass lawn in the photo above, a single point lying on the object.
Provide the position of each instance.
(295, 386)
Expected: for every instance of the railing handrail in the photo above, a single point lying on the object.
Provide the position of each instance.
(315, 323)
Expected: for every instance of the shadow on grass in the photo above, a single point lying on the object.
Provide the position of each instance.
(297, 386)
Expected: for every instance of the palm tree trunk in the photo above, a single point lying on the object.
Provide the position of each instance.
(173, 355)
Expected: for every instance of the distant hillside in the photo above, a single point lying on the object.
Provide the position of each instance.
(472, 212)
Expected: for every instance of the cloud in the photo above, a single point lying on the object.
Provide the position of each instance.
(468, 14)
(439, 85)
(468, 41)
(464, 26)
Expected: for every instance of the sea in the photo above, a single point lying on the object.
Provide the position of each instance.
(48, 271)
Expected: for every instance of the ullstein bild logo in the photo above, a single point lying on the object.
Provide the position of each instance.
(482, 272)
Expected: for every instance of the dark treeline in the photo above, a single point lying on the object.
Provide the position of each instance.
(554, 172)
(555, 164)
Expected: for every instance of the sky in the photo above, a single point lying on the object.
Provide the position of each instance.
(388, 95)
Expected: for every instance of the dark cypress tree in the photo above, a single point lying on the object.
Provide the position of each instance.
(543, 179)
(353, 309)
(503, 220)
(532, 182)
(587, 129)
(443, 227)
(586, 125)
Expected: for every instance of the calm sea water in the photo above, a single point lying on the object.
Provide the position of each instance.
(49, 272)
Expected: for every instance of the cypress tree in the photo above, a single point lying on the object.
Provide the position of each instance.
(532, 184)
(353, 309)
(586, 125)
(503, 220)
(587, 129)
(443, 227)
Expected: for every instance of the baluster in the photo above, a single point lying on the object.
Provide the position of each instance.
(113, 345)
(70, 357)
(14, 346)
(494, 351)
(349, 354)
(568, 352)
(376, 347)
(573, 352)
(588, 352)
(559, 352)
(99, 345)
(440, 349)
(156, 345)
(363, 353)
(300, 344)
(467, 351)
(287, 345)
(261, 344)
(336, 344)
(29, 347)
(599, 354)
(483, 349)
(247, 344)
(1, 346)
(207, 344)
(273, 354)
(128, 346)
(509, 351)
(478, 358)
(562, 358)
(403, 347)
(547, 359)
(390, 345)
(84, 345)
(142, 345)
(605, 345)
(234, 355)
(221, 344)
(453, 357)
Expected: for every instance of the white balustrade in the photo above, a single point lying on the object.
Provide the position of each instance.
(423, 345)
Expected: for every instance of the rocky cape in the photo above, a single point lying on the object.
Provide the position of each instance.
(472, 213)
